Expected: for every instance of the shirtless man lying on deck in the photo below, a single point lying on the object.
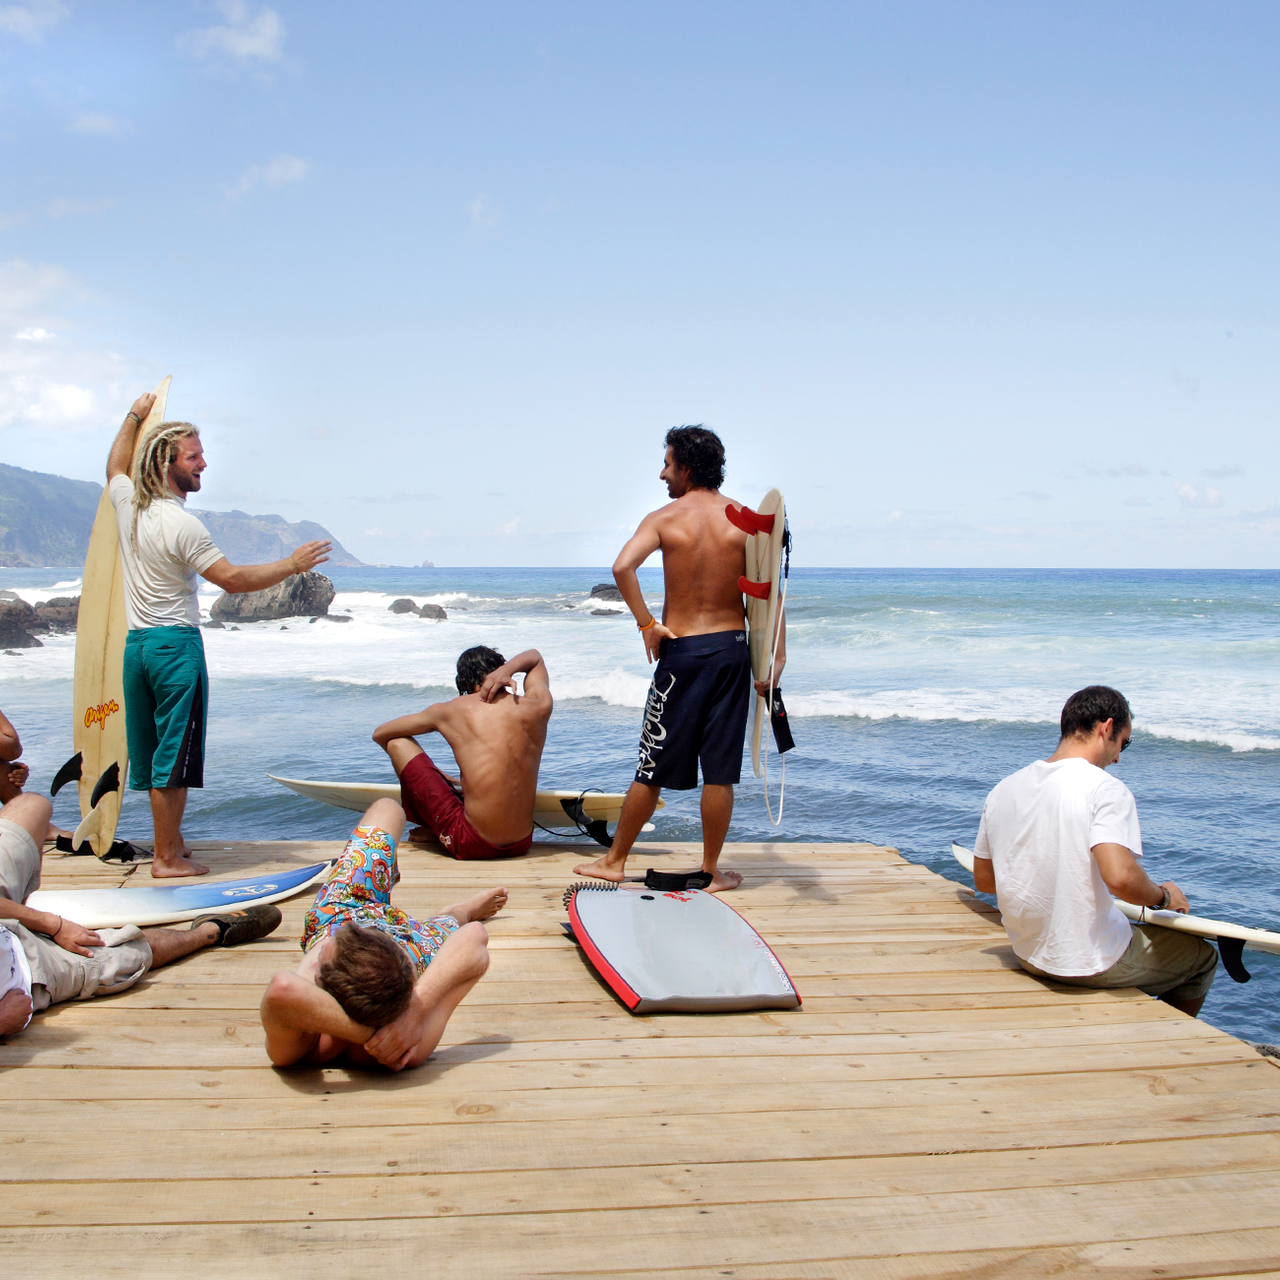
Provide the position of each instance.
(375, 984)
(497, 738)
(701, 691)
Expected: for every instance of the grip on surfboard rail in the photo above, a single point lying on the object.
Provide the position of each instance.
(749, 521)
(758, 590)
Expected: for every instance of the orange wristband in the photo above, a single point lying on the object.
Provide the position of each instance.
(653, 622)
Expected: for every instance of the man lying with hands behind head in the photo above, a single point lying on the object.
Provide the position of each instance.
(1057, 839)
(375, 985)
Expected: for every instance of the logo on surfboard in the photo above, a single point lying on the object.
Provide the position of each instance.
(98, 715)
(249, 890)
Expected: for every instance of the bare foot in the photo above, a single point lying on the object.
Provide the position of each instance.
(421, 835)
(176, 868)
(723, 880)
(486, 903)
(602, 869)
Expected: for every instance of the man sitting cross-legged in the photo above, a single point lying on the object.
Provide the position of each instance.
(497, 738)
(45, 959)
(375, 984)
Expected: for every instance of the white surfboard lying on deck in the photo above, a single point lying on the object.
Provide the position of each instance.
(684, 952)
(1201, 926)
(548, 811)
(170, 903)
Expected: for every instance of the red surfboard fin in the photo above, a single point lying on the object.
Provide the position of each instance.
(747, 520)
(760, 590)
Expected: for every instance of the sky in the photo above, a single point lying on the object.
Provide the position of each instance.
(974, 284)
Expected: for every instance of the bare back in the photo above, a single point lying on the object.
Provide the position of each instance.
(498, 747)
(703, 556)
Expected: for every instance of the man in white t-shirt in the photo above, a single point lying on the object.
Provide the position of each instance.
(166, 683)
(1057, 840)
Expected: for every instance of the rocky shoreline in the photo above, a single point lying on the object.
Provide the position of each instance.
(21, 624)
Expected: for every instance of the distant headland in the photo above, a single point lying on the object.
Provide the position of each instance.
(45, 521)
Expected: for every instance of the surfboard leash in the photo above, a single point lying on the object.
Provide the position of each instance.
(579, 886)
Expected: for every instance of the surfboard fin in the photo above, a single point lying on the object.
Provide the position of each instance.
(749, 521)
(88, 827)
(1231, 952)
(759, 590)
(596, 828)
(108, 782)
(70, 772)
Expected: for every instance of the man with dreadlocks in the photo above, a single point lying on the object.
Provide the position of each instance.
(166, 684)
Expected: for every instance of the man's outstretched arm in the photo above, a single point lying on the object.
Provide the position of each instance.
(239, 578)
(296, 1013)
(1123, 875)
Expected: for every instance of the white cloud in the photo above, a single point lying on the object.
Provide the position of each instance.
(246, 38)
(94, 122)
(277, 172)
(375, 532)
(894, 516)
(31, 20)
(49, 378)
(484, 213)
(509, 527)
(1193, 497)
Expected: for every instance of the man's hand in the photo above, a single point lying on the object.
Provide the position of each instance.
(72, 937)
(18, 775)
(653, 636)
(15, 1010)
(495, 682)
(394, 1044)
(1177, 899)
(142, 406)
(310, 554)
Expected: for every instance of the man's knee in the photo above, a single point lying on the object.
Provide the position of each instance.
(473, 939)
(31, 812)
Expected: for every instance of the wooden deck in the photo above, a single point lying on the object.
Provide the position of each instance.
(931, 1111)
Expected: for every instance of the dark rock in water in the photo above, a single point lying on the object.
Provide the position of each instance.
(60, 613)
(606, 613)
(9, 595)
(427, 564)
(605, 591)
(402, 606)
(433, 611)
(233, 628)
(214, 625)
(12, 636)
(304, 593)
(332, 617)
(19, 613)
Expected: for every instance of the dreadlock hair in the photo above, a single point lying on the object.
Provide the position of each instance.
(151, 465)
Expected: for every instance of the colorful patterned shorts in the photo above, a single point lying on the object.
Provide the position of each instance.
(358, 891)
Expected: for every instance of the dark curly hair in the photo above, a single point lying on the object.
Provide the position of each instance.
(1088, 707)
(474, 665)
(700, 453)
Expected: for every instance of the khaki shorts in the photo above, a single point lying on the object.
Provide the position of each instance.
(1161, 962)
(57, 974)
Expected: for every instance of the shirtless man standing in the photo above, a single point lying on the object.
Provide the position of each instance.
(497, 738)
(701, 691)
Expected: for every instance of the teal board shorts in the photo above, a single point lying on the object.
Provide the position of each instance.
(166, 707)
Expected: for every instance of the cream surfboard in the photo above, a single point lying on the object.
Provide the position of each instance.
(766, 529)
(97, 727)
(1230, 937)
(550, 808)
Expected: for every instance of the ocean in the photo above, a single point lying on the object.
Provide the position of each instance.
(911, 693)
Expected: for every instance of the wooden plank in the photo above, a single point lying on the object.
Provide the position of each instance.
(553, 1243)
(392, 1194)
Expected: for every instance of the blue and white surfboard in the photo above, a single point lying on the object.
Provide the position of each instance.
(171, 903)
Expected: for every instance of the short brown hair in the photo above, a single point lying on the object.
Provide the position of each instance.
(368, 975)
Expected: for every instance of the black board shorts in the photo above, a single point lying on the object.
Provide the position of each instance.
(696, 711)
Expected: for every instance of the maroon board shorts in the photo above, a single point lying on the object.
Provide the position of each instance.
(430, 800)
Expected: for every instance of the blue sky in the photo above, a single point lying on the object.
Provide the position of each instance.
(975, 284)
